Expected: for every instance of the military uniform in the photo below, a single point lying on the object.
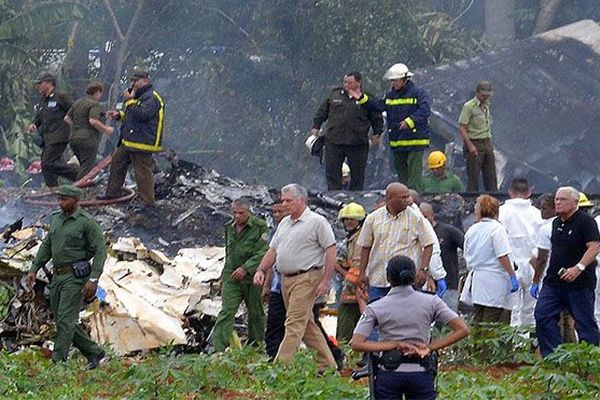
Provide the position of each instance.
(72, 238)
(244, 249)
(85, 139)
(449, 183)
(346, 137)
(49, 121)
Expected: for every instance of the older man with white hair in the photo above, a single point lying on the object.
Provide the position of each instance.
(304, 248)
(571, 279)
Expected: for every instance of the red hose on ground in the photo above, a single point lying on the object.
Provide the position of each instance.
(86, 181)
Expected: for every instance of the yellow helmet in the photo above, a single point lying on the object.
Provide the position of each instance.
(353, 211)
(584, 201)
(436, 159)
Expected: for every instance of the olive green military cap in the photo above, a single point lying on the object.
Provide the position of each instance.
(46, 76)
(484, 87)
(139, 73)
(69, 191)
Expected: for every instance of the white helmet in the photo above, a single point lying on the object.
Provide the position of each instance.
(397, 71)
(345, 169)
(315, 145)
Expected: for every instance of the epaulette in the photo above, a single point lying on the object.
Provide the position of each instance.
(86, 214)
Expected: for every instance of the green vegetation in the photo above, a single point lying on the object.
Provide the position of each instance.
(508, 370)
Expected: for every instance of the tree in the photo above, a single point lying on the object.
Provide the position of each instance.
(499, 21)
(548, 10)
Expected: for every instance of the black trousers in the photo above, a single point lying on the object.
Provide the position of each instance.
(54, 166)
(335, 154)
(275, 324)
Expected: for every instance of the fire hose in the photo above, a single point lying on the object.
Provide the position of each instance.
(38, 199)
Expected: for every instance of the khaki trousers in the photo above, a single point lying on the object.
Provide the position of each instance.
(299, 297)
(143, 165)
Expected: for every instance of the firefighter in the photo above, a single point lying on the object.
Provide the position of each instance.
(352, 302)
(407, 109)
(440, 180)
(141, 136)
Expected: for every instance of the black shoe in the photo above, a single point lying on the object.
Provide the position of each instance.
(94, 361)
(361, 373)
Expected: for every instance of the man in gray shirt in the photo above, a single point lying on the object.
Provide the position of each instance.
(303, 248)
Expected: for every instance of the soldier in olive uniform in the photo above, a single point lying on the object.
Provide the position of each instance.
(245, 241)
(85, 119)
(74, 237)
(49, 123)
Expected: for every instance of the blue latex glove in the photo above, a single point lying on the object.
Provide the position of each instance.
(514, 284)
(442, 287)
(534, 290)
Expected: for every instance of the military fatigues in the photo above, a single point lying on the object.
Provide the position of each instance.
(72, 238)
(449, 183)
(85, 139)
(349, 311)
(476, 116)
(246, 250)
(346, 137)
(49, 121)
(141, 136)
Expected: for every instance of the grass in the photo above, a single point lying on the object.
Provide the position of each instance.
(507, 370)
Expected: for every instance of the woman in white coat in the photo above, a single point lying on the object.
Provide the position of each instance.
(491, 277)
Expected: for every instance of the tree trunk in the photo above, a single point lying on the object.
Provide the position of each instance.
(499, 21)
(548, 10)
(124, 41)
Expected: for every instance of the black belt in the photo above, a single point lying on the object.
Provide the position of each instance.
(63, 270)
(301, 272)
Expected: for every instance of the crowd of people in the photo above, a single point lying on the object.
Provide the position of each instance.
(528, 265)
(353, 115)
(59, 123)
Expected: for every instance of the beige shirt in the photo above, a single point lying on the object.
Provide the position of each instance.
(389, 236)
(476, 116)
(301, 244)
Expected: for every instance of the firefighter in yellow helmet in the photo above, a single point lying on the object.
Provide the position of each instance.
(352, 301)
(439, 180)
(584, 203)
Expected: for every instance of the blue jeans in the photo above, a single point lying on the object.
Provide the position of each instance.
(413, 385)
(580, 304)
(376, 293)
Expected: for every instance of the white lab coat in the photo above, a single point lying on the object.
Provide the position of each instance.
(488, 283)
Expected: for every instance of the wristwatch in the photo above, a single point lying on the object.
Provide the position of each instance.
(93, 280)
(580, 267)
(424, 269)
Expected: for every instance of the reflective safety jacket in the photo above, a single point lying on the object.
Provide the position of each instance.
(143, 121)
(411, 105)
